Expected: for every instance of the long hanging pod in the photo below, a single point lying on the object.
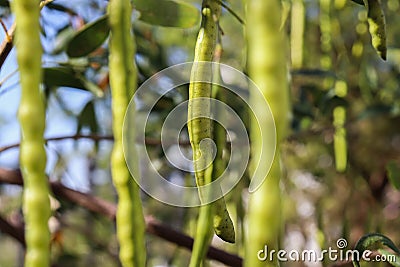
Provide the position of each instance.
(31, 114)
(222, 222)
(326, 34)
(339, 113)
(267, 68)
(339, 121)
(200, 128)
(297, 25)
(129, 217)
(376, 25)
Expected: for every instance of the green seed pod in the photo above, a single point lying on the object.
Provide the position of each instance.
(223, 225)
(339, 121)
(129, 217)
(31, 114)
(297, 28)
(222, 222)
(377, 26)
(200, 128)
(267, 68)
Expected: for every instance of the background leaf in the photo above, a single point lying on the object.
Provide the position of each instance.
(68, 77)
(89, 38)
(87, 118)
(393, 172)
(360, 2)
(167, 13)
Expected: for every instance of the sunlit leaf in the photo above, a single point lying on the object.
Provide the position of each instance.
(167, 13)
(374, 241)
(89, 38)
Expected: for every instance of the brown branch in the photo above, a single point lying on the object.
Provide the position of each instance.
(7, 45)
(167, 233)
(10, 176)
(98, 205)
(92, 203)
(94, 137)
(13, 230)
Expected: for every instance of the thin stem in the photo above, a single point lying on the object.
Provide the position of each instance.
(11, 74)
(5, 30)
(59, 138)
(230, 10)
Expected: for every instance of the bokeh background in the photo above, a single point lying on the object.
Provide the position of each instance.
(329, 48)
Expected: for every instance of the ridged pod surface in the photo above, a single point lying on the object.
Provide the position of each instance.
(377, 26)
(222, 222)
(129, 216)
(31, 114)
(200, 128)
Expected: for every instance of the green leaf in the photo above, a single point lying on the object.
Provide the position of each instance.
(374, 241)
(89, 38)
(61, 8)
(393, 172)
(360, 2)
(68, 77)
(61, 76)
(375, 111)
(87, 118)
(62, 39)
(329, 102)
(4, 3)
(167, 13)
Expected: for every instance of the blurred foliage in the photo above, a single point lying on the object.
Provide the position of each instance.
(320, 204)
